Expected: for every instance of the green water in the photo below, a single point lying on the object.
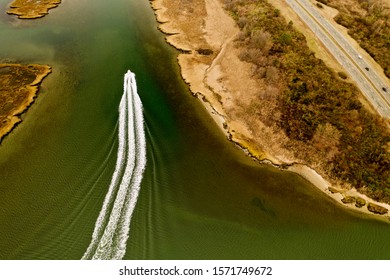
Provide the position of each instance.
(201, 197)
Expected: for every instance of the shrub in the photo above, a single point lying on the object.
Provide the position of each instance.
(342, 75)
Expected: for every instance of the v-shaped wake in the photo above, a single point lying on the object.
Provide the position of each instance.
(112, 227)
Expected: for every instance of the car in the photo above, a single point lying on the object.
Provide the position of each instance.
(384, 89)
(368, 69)
(360, 57)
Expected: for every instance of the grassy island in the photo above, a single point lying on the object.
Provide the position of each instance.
(18, 88)
(30, 9)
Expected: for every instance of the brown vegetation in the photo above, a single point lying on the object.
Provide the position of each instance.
(377, 209)
(18, 87)
(368, 22)
(326, 125)
(30, 9)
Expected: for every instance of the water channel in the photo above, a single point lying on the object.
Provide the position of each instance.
(200, 198)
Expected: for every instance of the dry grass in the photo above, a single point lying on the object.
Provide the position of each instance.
(18, 88)
(30, 9)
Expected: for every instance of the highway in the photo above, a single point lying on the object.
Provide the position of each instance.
(375, 89)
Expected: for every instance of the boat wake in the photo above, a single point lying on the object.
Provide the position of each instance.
(112, 227)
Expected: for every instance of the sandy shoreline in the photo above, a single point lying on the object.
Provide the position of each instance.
(222, 82)
(27, 92)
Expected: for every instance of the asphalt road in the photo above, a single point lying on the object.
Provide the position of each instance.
(375, 89)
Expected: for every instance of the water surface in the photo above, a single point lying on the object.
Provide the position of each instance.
(201, 197)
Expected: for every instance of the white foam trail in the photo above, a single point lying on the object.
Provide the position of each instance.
(112, 227)
(140, 150)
